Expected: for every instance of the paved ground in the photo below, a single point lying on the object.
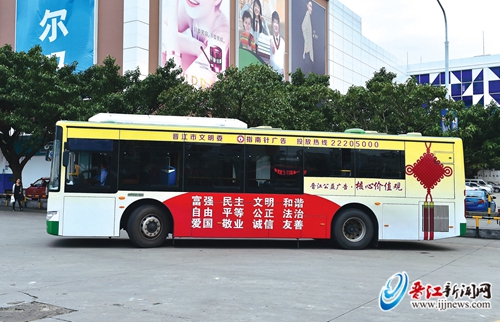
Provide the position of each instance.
(49, 278)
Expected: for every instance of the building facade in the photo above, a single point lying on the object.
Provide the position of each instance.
(138, 34)
(474, 80)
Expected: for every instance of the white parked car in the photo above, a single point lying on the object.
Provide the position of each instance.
(480, 182)
(488, 189)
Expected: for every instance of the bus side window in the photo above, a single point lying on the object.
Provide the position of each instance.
(380, 164)
(150, 165)
(214, 167)
(273, 169)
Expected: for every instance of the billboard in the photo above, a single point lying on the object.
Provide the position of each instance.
(197, 36)
(262, 33)
(64, 28)
(308, 33)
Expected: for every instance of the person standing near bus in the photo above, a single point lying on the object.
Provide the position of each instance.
(17, 190)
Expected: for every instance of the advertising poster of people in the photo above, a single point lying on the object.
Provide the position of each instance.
(261, 31)
(196, 34)
(308, 34)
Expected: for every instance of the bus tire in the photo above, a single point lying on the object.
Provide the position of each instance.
(352, 229)
(148, 226)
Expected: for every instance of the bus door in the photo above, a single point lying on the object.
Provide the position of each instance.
(90, 187)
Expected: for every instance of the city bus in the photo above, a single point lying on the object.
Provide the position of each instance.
(162, 177)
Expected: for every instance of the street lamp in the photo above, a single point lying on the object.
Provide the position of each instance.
(446, 72)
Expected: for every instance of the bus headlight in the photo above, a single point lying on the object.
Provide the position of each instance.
(52, 214)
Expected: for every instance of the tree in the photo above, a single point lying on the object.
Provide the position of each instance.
(255, 94)
(34, 95)
(101, 90)
(390, 107)
(311, 100)
(477, 126)
(144, 95)
(182, 99)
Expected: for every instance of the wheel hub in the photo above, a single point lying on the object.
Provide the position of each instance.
(150, 226)
(354, 229)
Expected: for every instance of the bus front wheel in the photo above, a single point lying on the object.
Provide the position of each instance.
(352, 229)
(148, 226)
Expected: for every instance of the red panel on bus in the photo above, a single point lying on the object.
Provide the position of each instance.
(227, 215)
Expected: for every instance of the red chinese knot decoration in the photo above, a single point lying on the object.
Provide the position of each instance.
(429, 171)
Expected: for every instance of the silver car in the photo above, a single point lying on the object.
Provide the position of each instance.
(488, 189)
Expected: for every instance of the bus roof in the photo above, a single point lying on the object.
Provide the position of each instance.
(227, 125)
(167, 120)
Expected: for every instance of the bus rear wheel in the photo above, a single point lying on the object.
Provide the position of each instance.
(148, 226)
(352, 229)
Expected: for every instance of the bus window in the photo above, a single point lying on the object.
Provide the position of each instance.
(92, 165)
(274, 169)
(324, 162)
(213, 167)
(55, 155)
(383, 164)
(150, 165)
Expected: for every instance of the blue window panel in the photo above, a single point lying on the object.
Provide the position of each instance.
(479, 77)
(458, 74)
(496, 97)
(467, 75)
(495, 86)
(425, 79)
(478, 88)
(456, 89)
(465, 86)
(467, 100)
(441, 77)
(417, 78)
(457, 98)
(436, 81)
(481, 101)
(496, 70)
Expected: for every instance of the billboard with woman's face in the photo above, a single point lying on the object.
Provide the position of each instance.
(308, 34)
(196, 35)
(262, 33)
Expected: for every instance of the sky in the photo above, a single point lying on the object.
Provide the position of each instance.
(414, 30)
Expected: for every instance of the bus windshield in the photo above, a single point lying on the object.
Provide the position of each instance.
(55, 170)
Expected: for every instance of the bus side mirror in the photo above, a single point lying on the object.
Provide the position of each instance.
(49, 147)
(48, 155)
(65, 158)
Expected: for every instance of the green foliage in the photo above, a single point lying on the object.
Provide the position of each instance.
(183, 100)
(311, 101)
(34, 94)
(255, 94)
(101, 90)
(143, 95)
(389, 107)
(477, 126)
